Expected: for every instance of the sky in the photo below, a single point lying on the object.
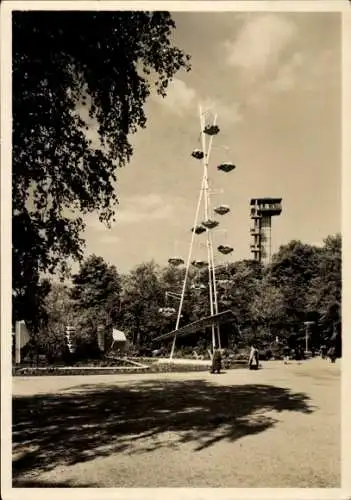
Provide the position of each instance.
(274, 80)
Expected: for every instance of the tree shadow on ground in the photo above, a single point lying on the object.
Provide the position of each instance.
(37, 483)
(94, 421)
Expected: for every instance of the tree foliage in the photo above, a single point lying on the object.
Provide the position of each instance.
(96, 296)
(293, 268)
(141, 299)
(59, 313)
(302, 283)
(68, 66)
(29, 303)
(268, 307)
(325, 289)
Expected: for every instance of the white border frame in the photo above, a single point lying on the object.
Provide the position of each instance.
(342, 6)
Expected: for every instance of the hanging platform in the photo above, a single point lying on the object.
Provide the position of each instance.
(198, 230)
(210, 224)
(223, 283)
(199, 263)
(222, 209)
(211, 129)
(175, 261)
(201, 324)
(226, 300)
(199, 286)
(226, 167)
(198, 154)
(225, 249)
(168, 312)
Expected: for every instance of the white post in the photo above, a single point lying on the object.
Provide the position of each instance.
(306, 337)
(17, 343)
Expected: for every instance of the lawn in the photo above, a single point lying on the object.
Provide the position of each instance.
(276, 427)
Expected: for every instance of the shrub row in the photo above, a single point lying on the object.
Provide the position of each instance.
(33, 371)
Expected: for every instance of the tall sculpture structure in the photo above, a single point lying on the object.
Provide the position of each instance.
(206, 219)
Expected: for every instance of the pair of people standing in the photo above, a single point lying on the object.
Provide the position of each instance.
(217, 360)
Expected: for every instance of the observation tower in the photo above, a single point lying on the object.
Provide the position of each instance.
(261, 212)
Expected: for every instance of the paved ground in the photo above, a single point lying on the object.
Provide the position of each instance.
(277, 427)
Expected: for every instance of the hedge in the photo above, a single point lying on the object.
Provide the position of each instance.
(155, 368)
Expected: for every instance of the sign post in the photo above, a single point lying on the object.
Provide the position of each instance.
(22, 338)
(70, 330)
(101, 337)
(307, 324)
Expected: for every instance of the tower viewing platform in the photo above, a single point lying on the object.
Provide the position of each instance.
(261, 212)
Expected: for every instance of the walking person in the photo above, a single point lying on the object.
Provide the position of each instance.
(324, 350)
(286, 352)
(332, 354)
(253, 358)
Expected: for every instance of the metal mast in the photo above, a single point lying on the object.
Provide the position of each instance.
(208, 131)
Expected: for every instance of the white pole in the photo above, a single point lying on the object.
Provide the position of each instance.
(212, 264)
(189, 260)
(215, 294)
(187, 269)
(209, 240)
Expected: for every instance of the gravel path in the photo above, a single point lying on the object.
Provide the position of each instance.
(277, 427)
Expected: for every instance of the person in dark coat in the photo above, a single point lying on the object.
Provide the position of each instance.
(216, 361)
(332, 354)
(297, 353)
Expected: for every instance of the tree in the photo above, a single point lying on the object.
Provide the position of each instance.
(29, 304)
(325, 289)
(237, 285)
(141, 298)
(292, 270)
(59, 312)
(243, 277)
(171, 281)
(96, 296)
(65, 62)
(268, 309)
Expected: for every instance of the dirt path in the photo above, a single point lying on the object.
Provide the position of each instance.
(278, 427)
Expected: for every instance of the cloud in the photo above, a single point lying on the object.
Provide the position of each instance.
(324, 69)
(109, 239)
(306, 72)
(99, 232)
(259, 44)
(92, 223)
(134, 209)
(288, 73)
(180, 98)
(144, 208)
(227, 113)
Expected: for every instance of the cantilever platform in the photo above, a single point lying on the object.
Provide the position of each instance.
(217, 319)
